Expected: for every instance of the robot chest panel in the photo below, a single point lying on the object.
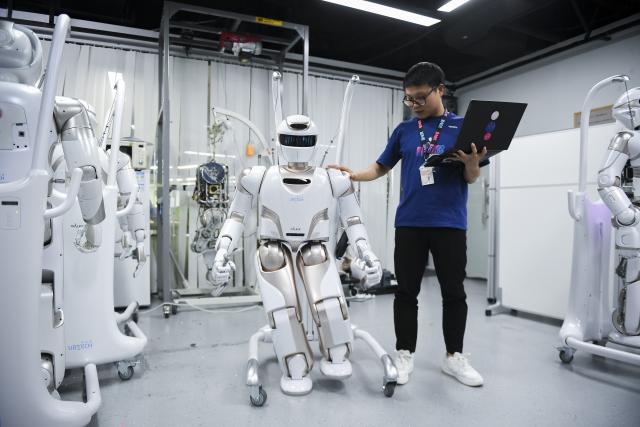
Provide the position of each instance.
(295, 206)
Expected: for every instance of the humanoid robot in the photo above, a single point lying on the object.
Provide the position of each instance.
(295, 202)
(622, 162)
(591, 320)
(27, 132)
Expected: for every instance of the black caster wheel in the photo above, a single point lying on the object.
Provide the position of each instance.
(353, 292)
(135, 317)
(389, 388)
(262, 398)
(491, 300)
(84, 388)
(487, 313)
(126, 375)
(566, 356)
(174, 309)
(166, 311)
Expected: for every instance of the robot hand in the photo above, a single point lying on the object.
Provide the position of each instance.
(141, 257)
(220, 274)
(367, 267)
(127, 245)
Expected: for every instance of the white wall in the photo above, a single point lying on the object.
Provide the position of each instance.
(555, 87)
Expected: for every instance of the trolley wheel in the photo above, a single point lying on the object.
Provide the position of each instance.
(126, 374)
(262, 398)
(566, 355)
(487, 312)
(174, 309)
(389, 388)
(166, 311)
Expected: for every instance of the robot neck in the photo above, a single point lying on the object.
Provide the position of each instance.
(297, 165)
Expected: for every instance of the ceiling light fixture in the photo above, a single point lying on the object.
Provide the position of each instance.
(451, 5)
(390, 12)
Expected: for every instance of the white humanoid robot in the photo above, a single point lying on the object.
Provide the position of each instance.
(27, 133)
(294, 203)
(591, 322)
(625, 146)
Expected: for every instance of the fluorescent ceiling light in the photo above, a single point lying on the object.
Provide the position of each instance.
(390, 12)
(451, 5)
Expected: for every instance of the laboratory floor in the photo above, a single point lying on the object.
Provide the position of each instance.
(192, 373)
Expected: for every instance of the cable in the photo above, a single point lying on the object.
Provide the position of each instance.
(143, 312)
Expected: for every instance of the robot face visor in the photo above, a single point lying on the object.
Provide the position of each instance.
(299, 141)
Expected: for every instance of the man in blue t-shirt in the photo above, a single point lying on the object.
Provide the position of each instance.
(431, 217)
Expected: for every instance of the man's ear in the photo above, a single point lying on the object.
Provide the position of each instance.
(441, 89)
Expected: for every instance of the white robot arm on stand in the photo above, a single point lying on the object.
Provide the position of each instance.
(81, 151)
(132, 220)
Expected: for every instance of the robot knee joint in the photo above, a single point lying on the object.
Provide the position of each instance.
(313, 254)
(272, 257)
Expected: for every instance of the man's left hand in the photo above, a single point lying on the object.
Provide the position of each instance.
(472, 159)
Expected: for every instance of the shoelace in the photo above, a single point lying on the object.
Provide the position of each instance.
(462, 359)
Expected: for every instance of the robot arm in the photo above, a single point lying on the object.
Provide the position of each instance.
(351, 217)
(609, 188)
(220, 266)
(81, 151)
(133, 226)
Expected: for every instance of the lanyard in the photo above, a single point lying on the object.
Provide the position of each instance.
(436, 134)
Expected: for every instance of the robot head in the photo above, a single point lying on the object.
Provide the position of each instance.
(626, 110)
(20, 54)
(297, 137)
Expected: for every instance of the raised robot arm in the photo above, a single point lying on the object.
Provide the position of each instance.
(81, 151)
(219, 265)
(133, 225)
(351, 216)
(609, 187)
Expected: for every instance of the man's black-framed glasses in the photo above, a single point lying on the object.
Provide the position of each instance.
(421, 100)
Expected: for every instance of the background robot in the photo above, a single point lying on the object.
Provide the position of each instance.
(591, 320)
(211, 194)
(620, 168)
(27, 132)
(296, 203)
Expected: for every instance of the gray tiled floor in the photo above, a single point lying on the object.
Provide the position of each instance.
(193, 375)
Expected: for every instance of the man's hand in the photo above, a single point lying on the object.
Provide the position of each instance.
(471, 162)
(472, 159)
(345, 169)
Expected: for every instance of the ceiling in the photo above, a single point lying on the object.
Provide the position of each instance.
(479, 36)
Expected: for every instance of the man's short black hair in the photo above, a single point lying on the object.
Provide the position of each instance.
(424, 73)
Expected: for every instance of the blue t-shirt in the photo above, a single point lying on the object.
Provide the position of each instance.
(442, 204)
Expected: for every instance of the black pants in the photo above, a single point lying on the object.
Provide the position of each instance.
(448, 247)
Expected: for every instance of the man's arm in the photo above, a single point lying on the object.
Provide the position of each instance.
(373, 171)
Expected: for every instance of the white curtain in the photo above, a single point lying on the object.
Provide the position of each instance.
(376, 110)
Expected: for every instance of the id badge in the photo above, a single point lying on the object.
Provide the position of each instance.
(426, 175)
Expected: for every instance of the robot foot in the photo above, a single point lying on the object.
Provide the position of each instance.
(339, 371)
(293, 387)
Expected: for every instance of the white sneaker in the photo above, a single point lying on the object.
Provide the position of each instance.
(458, 367)
(404, 364)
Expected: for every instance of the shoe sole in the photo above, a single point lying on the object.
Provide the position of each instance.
(462, 380)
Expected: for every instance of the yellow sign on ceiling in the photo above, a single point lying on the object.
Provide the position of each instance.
(269, 21)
